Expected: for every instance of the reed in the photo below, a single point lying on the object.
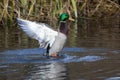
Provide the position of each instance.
(42, 10)
(74, 7)
(31, 7)
(23, 2)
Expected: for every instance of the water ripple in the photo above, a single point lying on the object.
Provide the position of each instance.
(36, 56)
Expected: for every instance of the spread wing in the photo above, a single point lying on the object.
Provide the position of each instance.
(39, 31)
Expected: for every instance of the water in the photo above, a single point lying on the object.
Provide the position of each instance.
(92, 53)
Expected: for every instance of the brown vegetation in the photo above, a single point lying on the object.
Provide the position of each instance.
(42, 10)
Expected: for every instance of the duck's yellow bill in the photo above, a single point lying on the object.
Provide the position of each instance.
(71, 19)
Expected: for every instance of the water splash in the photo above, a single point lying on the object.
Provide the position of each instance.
(113, 78)
(36, 56)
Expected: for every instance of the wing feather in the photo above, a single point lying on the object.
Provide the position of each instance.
(39, 31)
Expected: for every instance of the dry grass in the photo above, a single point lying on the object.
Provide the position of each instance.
(47, 10)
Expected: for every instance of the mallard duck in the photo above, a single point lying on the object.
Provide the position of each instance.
(53, 41)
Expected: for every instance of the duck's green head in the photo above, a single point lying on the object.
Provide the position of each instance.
(63, 17)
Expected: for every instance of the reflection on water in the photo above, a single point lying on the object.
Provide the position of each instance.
(92, 53)
(42, 71)
(48, 71)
